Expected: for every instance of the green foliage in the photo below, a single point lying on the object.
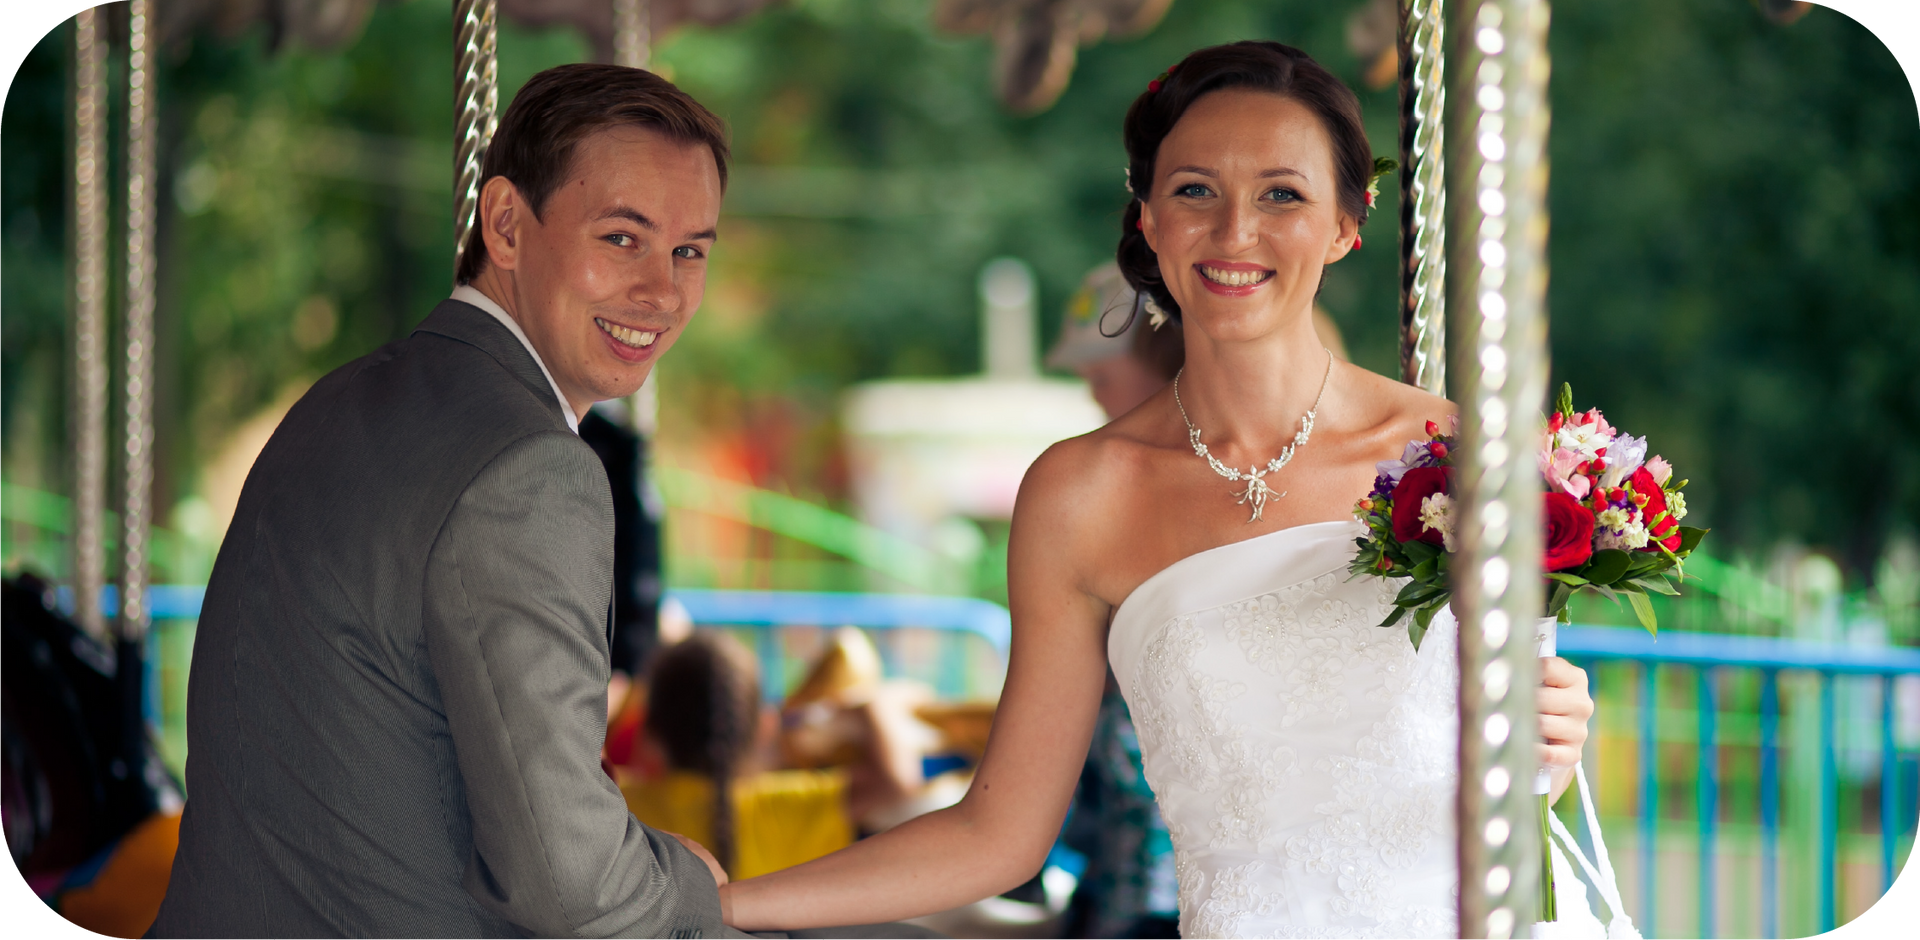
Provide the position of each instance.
(879, 174)
(1735, 210)
(1736, 214)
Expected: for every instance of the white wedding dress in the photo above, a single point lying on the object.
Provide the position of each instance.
(1303, 757)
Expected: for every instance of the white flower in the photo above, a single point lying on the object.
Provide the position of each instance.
(1156, 316)
(1585, 439)
(1676, 506)
(1613, 519)
(1633, 535)
(1436, 513)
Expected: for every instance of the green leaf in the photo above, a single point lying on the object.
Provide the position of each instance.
(1425, 570)
(1558, 597)
(1417, 593)
(1565, 578)
(1643, 609)
(1419, 551)
(1393, 618)
(1416, 631)
(1657, 584)
(1690, 538)
(1606, 566)
(1607, 592)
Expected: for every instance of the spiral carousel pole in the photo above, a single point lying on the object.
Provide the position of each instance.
(89, 323)
(136, 512)
(1496, 240)
(633, 48)
(476, 102)
(1423, 196)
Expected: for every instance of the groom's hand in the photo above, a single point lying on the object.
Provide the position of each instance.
(1565, 707)
(719, 874)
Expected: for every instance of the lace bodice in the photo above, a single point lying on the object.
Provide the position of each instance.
(1303, 757)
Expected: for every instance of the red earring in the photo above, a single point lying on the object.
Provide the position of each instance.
(1356, 243)
(1138, 226)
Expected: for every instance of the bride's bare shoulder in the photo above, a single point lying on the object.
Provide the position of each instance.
(1076, 472)
(1393, 411)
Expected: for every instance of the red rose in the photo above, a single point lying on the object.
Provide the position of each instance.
(1569, 535)
(1418, 484)
(1666, 531)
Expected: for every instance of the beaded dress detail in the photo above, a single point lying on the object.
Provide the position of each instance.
(1303, 757)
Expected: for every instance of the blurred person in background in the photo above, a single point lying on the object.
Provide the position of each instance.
(1128, 888)
(611, 430)
(709, 734)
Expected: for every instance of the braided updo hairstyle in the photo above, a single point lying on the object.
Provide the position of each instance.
(1263, 66)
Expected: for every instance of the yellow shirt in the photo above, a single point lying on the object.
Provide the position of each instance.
(780, 818)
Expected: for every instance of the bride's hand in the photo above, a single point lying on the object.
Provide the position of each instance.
(1565, 707)
(713, 865)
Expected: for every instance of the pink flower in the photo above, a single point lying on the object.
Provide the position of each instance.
(1600, 426)
(1558, 466)
(1662, 470)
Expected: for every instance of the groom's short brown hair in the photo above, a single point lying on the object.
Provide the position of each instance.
(558, 108)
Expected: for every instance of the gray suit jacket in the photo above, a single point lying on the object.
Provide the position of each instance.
(398, 692)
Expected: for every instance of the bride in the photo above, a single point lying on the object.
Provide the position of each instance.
(1303, 758)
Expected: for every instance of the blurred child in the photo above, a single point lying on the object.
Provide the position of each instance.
(706, 728)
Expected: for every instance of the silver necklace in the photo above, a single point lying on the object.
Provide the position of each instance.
(1257, 492)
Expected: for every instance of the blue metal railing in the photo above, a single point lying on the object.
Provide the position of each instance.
(1710, 655)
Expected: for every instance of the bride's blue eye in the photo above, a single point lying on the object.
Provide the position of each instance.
(1282, 194)
(1193, 191)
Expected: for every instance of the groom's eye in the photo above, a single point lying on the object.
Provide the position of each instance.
(619, 240)
(688, 251)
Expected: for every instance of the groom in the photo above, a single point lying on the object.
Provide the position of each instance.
(398, 692)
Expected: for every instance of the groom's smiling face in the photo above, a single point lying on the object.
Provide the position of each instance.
(607, 275)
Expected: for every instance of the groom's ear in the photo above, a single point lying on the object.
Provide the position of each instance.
(502, 215)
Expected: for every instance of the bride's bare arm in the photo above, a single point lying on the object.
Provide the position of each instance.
(998, 836)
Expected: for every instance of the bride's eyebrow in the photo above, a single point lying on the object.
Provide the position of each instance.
(1281, 171)
(1195, 170)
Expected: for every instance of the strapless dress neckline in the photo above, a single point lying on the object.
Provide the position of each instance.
(1302, 756)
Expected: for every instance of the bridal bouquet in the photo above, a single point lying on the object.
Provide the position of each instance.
(1612, 520)
(1612, 526)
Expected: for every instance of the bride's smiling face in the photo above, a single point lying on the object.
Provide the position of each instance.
(1244, 212)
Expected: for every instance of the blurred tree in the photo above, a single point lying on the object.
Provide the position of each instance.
(1734, 201)
(1736, 223)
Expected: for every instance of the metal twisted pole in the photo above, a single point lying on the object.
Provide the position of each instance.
(136, 513)
(1496, 287)
(89, 325)
(476, 101)
(1423, 195)
(633, 33)
(633, 48)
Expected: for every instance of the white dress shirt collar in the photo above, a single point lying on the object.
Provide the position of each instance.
(468, 294)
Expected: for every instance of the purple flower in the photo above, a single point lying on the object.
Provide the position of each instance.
(1416, 455)
(1624, 456)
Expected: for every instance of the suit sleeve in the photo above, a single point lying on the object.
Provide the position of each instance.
(517, 591)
